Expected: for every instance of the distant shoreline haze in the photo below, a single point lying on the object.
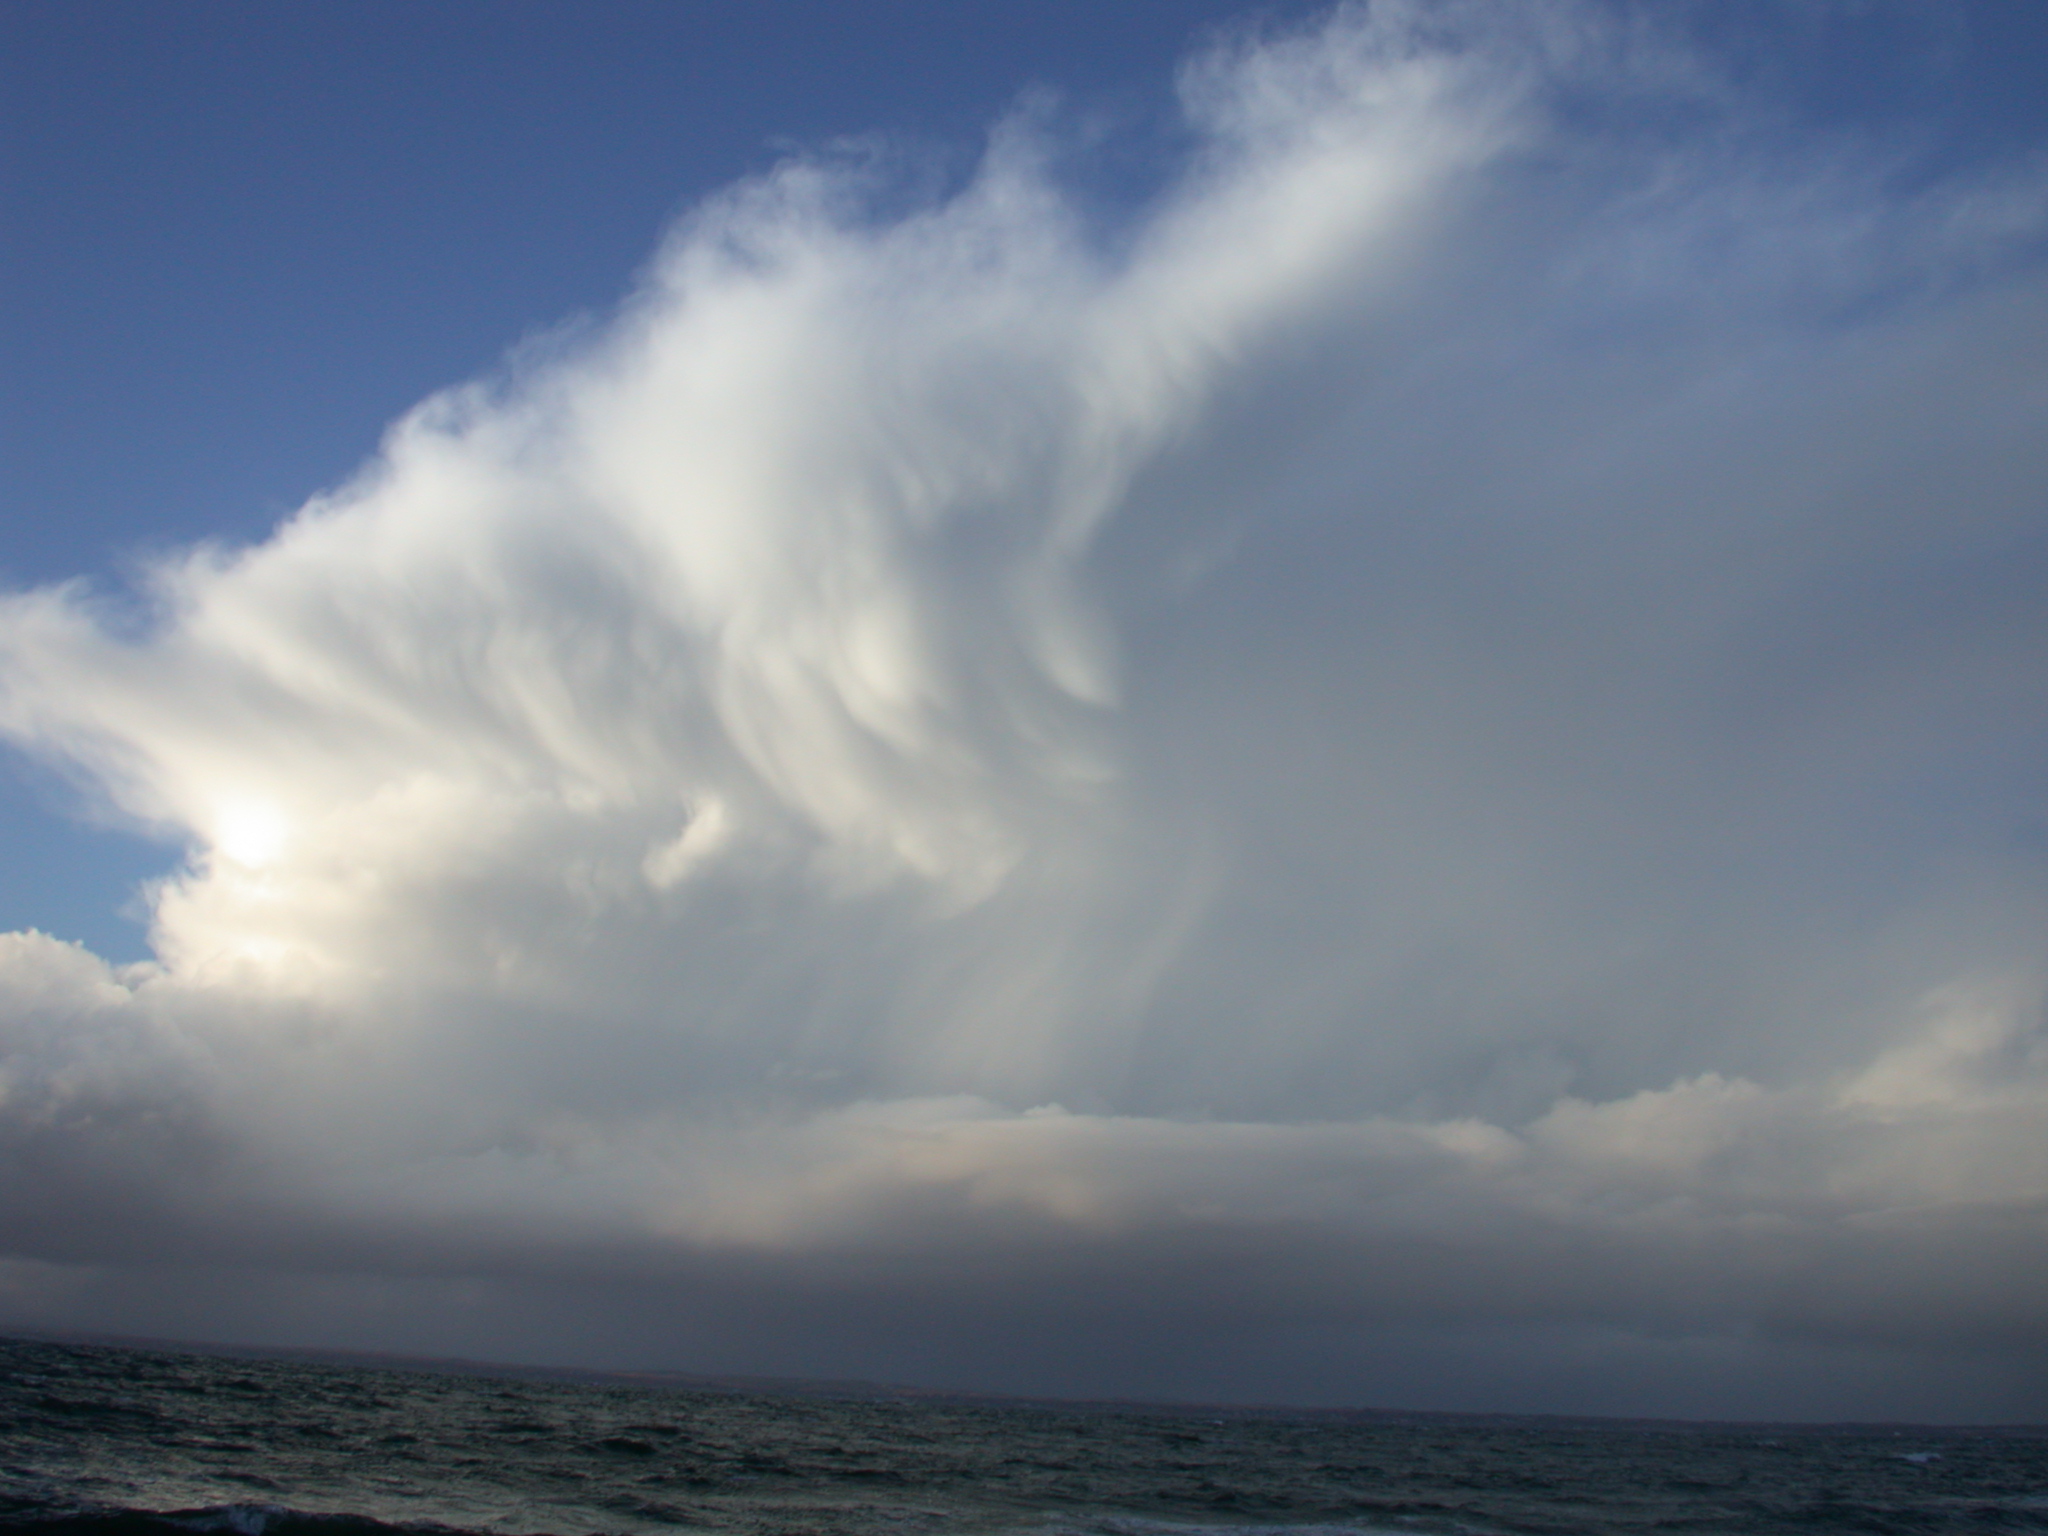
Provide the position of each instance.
(774, 1386)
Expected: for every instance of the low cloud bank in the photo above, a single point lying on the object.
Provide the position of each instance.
(1414, 777)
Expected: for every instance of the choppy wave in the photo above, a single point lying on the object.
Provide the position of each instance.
(109, 1442)
(230, 1519)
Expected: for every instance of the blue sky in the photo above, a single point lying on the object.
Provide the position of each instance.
(1339, 706)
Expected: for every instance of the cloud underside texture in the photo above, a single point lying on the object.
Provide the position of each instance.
(1415, 774)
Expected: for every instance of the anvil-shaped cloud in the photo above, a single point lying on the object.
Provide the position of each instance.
(1412, 776)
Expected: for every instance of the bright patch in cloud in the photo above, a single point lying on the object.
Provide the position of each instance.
(250, 832)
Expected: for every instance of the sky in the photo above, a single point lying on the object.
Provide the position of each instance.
(1338, 706)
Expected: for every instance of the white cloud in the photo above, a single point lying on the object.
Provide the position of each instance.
(1459, 694)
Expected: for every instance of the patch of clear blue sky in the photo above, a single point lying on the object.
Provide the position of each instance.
(239, 237)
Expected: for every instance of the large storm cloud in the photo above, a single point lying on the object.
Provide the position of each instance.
(1412, 776)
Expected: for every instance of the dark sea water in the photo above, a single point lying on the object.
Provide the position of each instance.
(144, 1443)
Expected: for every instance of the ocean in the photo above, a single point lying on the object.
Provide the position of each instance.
(98, 1441)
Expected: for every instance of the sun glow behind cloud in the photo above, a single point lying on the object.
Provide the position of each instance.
(1397, 744)
(250, 832)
